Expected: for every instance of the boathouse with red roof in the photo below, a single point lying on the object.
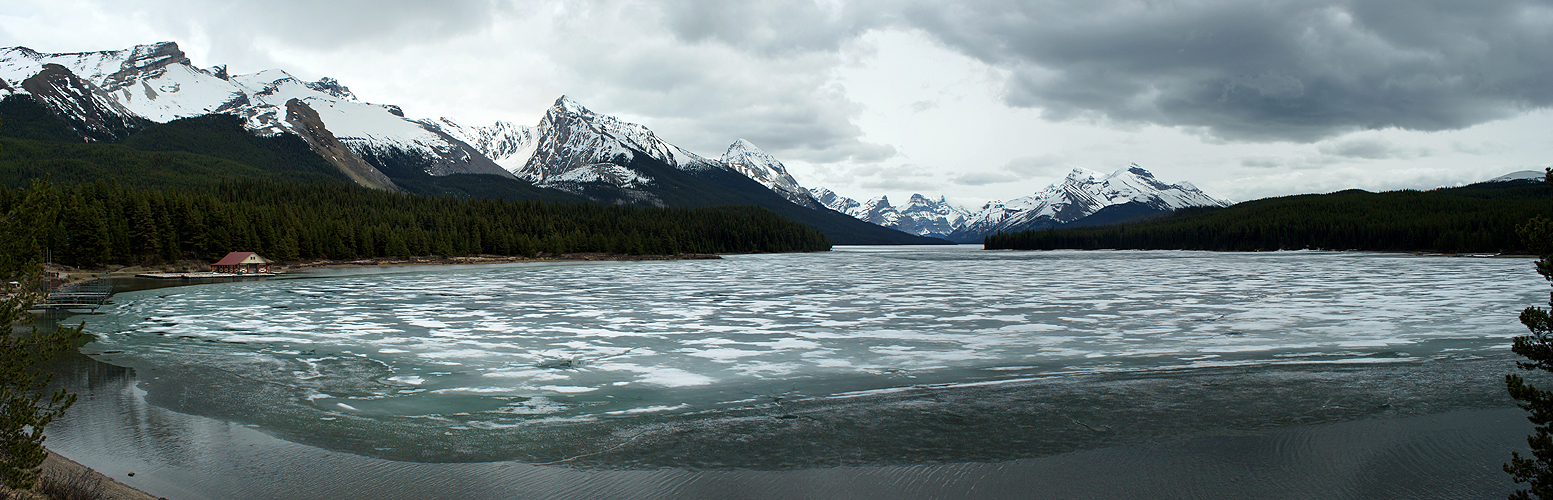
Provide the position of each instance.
(242, 263)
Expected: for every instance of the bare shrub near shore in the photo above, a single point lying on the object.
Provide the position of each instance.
(78, 485)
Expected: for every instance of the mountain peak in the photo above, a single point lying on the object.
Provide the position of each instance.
(567, 105)
(744, 157)
(1081, 174)
(146, 58)
(329, 86)
(1083, 193)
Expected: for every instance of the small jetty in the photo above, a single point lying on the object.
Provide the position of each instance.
(202, 275)
(87, 295)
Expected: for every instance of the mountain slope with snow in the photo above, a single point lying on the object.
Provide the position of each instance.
(745, 158)
(158, 83)
(936, 218)
(1082, 193)
(107, 95)
(1128, 192)
(921, 216)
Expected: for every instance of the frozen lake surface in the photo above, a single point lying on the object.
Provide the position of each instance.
(893, 357)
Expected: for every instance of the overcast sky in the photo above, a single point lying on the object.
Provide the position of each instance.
(971, 100)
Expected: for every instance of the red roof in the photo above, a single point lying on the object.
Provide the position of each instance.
(233, 258)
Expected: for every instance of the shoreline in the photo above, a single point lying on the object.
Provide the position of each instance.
(63, 275)
(484, 259)
(78, 480)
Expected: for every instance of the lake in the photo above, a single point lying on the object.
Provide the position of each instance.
(880, 372)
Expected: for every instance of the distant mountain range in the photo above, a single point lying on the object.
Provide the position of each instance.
(107, 96)
(1084, 198)
(572, 153)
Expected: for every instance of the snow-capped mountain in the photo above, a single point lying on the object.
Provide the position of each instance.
(108, 95)
(158, 83)
(1530, 176)
(507, 144)
(1083, 193)
(936, 218)
(879, 211)
(743, 157)
(922, 216)
(1132, 191)
(575, 146)
(834, 201)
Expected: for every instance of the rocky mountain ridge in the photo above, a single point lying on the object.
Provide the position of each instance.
(1083, 194)
(106, 96)
(158, 83)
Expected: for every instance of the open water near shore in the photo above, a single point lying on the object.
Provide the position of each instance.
(863, 372)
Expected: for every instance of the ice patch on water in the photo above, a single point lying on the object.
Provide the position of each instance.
(674, 377)
(407, 380)
(567, 389)
(647, 409)
(723, 355)
(426, 323)
(1030, 328)
(475, 390)
(456, 354)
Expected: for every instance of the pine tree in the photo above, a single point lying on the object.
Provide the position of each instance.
(24, 408)
(1537, 348)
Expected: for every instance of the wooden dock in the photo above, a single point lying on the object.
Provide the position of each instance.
(89, 294)
(203, 275)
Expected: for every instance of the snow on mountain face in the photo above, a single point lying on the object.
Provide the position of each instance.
(879, 211)
(936, 218)
(1080, 195)
(922, 216)
(1521, 176)
(93, 114)
(745, 158)
(570, 147)
(509, 145)
(158, 82)
(834, 201)
(575, 146)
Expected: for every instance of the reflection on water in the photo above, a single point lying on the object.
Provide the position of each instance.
(1446, 455)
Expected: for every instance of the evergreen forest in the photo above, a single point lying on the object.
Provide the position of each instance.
(106, 223)
(1479, 218)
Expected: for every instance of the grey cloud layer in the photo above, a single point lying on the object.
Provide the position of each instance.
(1263, 70)
(710, 71)
(1270, 70)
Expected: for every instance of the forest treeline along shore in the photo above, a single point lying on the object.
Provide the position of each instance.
(105, 223)
(1473, 219)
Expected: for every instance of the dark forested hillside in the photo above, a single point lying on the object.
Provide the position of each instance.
(207, 150)
(1477, 218)
(105, 223)
(711, 187)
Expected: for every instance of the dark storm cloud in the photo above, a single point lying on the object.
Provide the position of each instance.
(1268, 70)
